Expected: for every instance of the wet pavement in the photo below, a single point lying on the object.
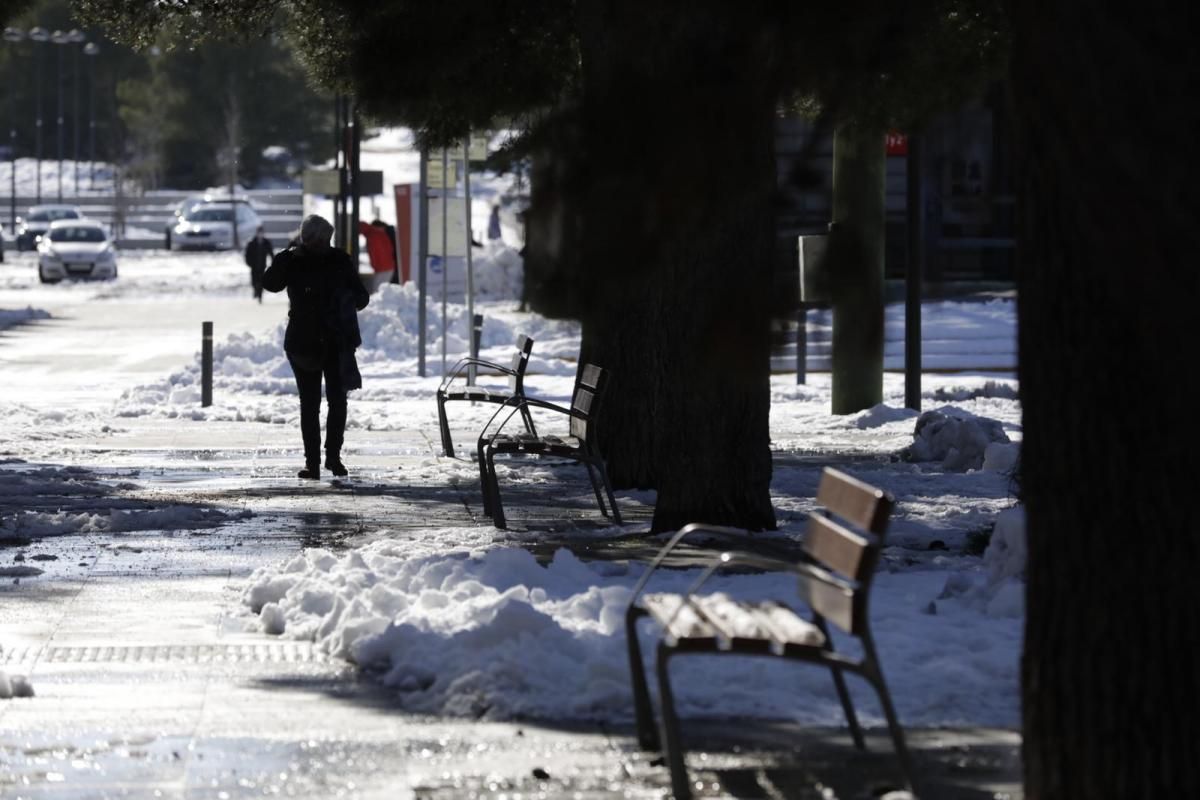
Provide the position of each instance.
(153, 681)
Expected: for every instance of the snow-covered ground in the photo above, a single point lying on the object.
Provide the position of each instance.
(77, 178)
(459, 621)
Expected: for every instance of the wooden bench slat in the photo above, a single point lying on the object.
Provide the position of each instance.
(837, 547)
(854, 501)
(839, 606)
(720, 617)
(687, 624)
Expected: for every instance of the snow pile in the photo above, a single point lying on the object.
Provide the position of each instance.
(1001, 592)
(250, 364)
(1002, 457)
(16, 316)
(880, 415)
(499, 271)
(493, 634)
(955, 437)
(989, 388)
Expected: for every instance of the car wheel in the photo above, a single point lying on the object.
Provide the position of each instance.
(42, 276)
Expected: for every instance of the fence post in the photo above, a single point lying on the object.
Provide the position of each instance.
(206, 364)
(476, 338)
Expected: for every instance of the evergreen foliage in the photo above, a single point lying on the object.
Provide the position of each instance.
(160, 110)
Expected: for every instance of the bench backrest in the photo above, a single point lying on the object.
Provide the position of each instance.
(520, 362)
(583, 403)
(846, 542)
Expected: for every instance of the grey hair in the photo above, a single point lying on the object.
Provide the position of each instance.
(315, 230)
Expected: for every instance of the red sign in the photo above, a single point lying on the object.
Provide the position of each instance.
(896, 144)
(404, 194)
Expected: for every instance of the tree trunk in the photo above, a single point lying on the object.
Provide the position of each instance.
(857, 250)
(1108, 282)
(677, 128)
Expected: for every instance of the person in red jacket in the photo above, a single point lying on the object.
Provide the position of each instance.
(325, 296)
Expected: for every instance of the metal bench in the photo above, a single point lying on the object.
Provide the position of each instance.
(448, 391)
(578, 445)
(834, 583)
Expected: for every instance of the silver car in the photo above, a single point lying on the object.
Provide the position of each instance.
(37, 220)
(75, 248)
(209, 226)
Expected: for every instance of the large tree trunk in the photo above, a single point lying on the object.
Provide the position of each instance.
(857, 251)
(677, 127)
(1109, 284)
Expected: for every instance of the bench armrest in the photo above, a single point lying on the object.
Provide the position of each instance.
(512, 405)
(802, 569)
(466, 361)
(674, 541)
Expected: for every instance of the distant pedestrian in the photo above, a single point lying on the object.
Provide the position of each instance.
(493, 233)
(325, 296)
(258, 252)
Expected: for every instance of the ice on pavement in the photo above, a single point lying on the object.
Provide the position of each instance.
(16, 316)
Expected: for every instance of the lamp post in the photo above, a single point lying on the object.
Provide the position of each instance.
(60, 38)
(38, 35)
(75, 36)
(13, 35)
(91, 49)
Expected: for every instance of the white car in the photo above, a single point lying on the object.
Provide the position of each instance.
(209, 226)
(75, 248)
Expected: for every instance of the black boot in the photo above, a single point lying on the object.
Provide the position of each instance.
(334, 464)
(311, 472)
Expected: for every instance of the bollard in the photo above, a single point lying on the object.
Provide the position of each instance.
(476, 338)
(206, 364)
(802, 344)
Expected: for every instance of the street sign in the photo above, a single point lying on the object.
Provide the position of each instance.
(321, 181)
(896, 144)
(436, 178)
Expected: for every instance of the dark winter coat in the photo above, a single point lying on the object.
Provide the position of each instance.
(257, 253)
(325, 297)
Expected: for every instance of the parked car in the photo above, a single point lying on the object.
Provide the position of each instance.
(209, 226)
(75, 248)
(178, 213)
(38, 219)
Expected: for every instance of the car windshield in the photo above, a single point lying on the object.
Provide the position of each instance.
(51, 214)
(211, 215)
(77, 234)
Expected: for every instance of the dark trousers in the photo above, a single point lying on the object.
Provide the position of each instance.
(309, 384)
(256, 276)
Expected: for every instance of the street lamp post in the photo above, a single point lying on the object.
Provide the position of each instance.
(75, 37)
(91, 49)
(38, 35)
(60, 38)
(13, 35)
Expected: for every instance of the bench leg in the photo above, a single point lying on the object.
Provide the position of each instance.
(644, 712)
(612, 501)
(485, 480)
(680, 787)
(497, 507)
(596, 487)
(875, 677)
(839, 682)
(444, 426)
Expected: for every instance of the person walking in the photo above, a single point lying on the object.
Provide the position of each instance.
(325, 296)
(258, 251)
